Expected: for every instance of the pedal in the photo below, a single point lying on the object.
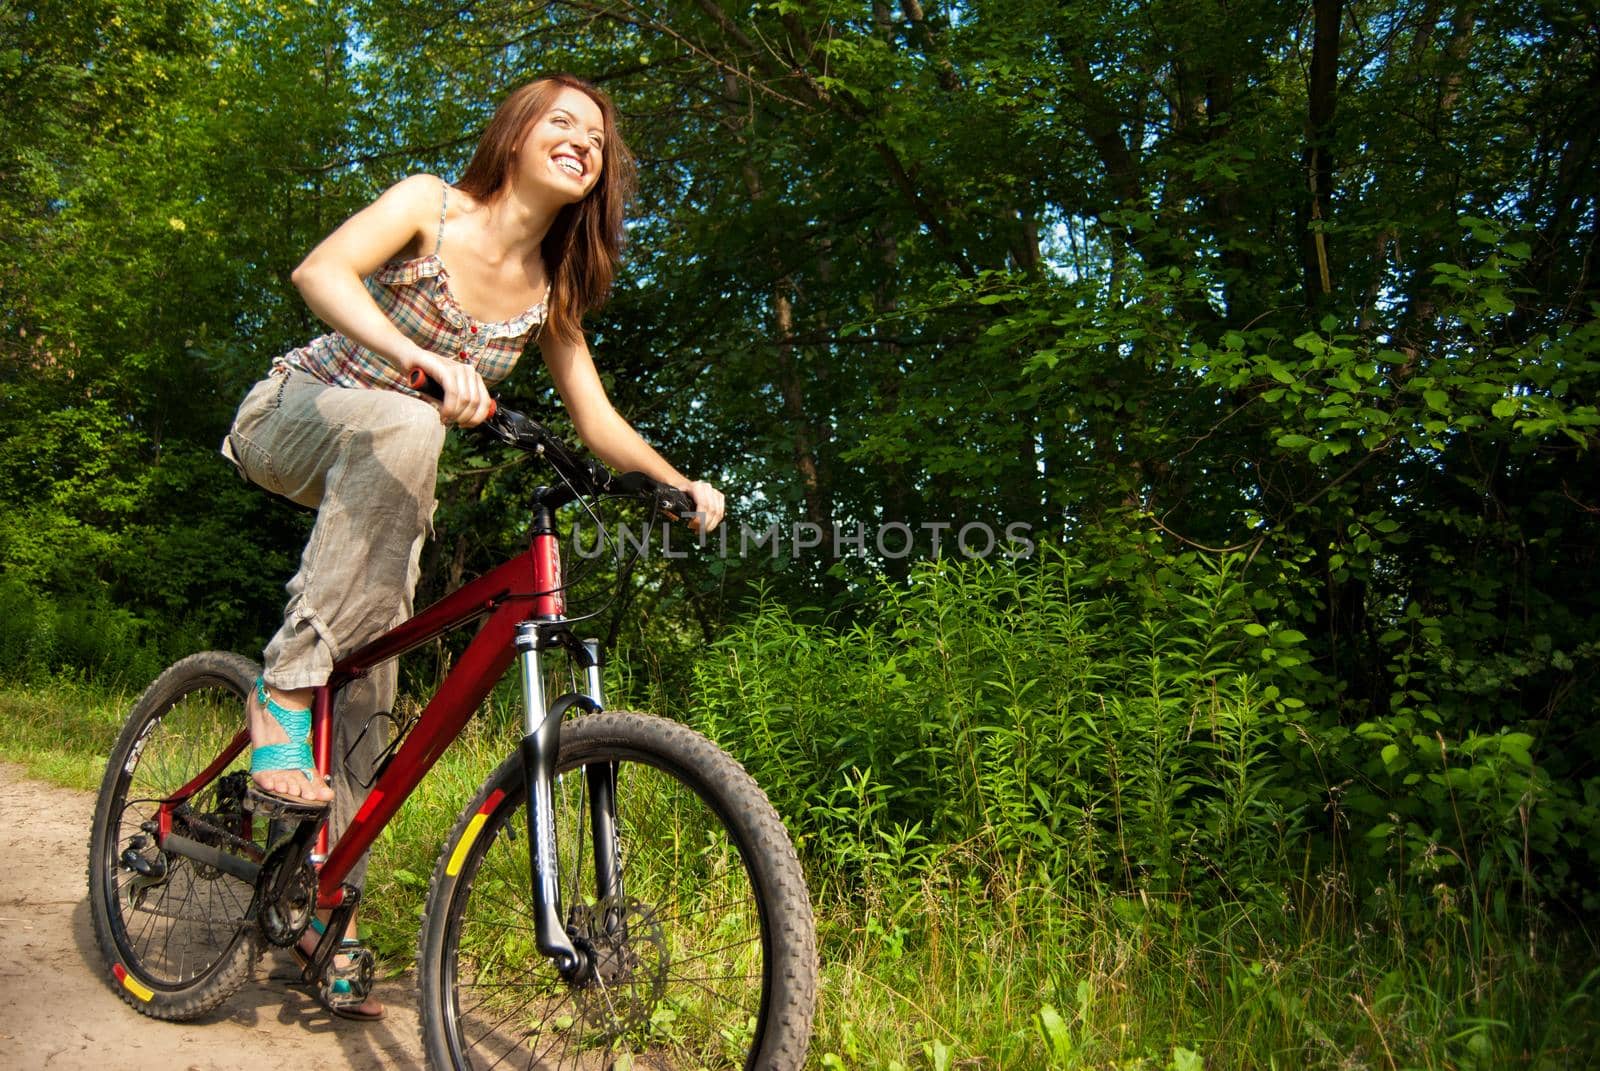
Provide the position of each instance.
(347, 986)
(275, 809)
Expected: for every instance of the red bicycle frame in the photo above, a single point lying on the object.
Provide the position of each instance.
(527, 586)
(524, 606)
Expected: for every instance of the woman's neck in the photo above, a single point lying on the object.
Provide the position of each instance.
(517, 223)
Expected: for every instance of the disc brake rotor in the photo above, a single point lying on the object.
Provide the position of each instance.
(629, 975)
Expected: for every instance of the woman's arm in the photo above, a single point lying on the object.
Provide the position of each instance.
(608, 435)
(404, 218)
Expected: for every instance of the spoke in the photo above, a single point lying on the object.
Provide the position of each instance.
(513, 1048)
(605, 994)
(748, 976)
(241, 909)
(517, 880)
(537, 1028)
(188, 893)
(546, 984)
(515, 925)
(709, 908)
(514, 910)
(720, 997)
(150, 917)
(224, 893)
(563, 1038)
(752, 939)
(495, 1027)
(514, 1012)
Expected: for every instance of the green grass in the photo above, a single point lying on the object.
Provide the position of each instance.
(1010, 976)
(938, 959)
(61, 731)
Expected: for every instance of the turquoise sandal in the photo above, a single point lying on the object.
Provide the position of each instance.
(294, 755)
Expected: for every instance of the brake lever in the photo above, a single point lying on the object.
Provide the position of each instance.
(670, 499)
(504, 426)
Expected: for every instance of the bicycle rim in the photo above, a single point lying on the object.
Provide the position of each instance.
(684, 957)
(171, 921)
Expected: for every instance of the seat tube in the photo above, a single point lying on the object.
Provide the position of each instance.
(540, 742)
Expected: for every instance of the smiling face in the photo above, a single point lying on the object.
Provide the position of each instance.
(555, 143)
(564, 150)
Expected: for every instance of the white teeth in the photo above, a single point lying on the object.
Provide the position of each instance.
(570, 165)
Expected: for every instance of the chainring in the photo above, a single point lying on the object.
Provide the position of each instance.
(284, 919)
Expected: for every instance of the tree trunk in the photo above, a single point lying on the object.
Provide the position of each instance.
(1317, 158)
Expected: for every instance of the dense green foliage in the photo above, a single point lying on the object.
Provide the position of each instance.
(1276, 323)
(1142, 841)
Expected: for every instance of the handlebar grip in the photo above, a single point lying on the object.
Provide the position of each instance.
(427, 386)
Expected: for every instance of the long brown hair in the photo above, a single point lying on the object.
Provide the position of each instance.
(584, 244)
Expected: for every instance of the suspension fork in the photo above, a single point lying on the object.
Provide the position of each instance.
(601, 778)
(540, 747)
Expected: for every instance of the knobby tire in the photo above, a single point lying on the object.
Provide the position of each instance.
(709, 955)
(178, 938)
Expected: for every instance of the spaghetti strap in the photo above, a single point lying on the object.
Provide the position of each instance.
(444, 201)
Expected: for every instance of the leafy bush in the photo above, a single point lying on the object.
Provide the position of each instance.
(1134, 739)
(1030, 781)
(995, 706)
(85, 637)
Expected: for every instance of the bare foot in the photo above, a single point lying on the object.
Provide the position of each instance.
(265, 729)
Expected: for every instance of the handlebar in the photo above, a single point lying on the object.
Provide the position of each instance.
(584, 475)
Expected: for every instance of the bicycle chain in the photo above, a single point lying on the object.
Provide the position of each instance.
(242, 845)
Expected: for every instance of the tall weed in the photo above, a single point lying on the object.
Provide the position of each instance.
(996, 708)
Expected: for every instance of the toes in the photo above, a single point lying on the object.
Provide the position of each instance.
(293, 784)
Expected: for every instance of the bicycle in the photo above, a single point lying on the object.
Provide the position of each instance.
(656, 917)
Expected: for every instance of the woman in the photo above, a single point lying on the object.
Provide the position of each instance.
(454, 280)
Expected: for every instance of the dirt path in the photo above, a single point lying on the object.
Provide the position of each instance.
(57, 1012)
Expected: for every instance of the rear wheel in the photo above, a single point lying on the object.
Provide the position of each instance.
(177, 933)
(706, 958)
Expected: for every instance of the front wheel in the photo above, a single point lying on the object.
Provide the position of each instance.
(705, 957)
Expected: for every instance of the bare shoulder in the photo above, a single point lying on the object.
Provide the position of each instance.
(416, 193)
(463, 203)
(411, 206)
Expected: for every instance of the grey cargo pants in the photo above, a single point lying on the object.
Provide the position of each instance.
(366, 461)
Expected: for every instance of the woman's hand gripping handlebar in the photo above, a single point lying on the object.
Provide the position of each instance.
(584, 475)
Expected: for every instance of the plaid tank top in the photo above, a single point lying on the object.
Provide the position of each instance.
(415, 295)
